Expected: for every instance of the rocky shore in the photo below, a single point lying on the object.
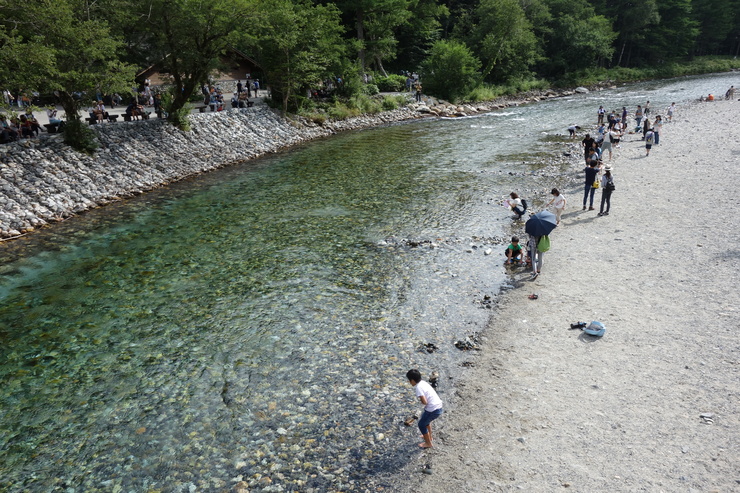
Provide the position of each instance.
(45, 181)
(651, 405)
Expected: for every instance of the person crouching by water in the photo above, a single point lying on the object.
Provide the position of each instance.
(514, 251)
(607, 187)
(432, 405)
(518, 205)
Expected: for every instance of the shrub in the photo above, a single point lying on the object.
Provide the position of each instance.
(79, 136)
(450, 71)
(392, 83)
(393, 102)
(370, 89)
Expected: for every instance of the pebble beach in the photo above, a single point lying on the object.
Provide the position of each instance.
(653, 404)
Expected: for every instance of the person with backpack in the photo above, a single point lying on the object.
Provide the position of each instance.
(607, 187)
(649, 139)
(536, 248)
(517, 204)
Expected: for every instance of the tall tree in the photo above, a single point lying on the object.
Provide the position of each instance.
(375, 23)
(416, 36)
(451, 70)
(716, 19)
(75, 51)
(189, 37)
(297, 44)
(502, 36)
(676, 33)
(575, 37)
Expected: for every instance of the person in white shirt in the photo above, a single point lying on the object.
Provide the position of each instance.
(558, 202)
(432, 405)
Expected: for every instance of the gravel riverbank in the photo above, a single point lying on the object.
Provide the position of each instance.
(651, 406)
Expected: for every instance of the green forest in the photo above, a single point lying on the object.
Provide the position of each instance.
(457, 47)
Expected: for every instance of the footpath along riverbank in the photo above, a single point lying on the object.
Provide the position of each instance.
(651, 406)
(43, 181)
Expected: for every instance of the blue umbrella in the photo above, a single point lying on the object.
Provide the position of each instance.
(541, 223)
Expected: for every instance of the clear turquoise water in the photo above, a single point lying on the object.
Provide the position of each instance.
(253, 324)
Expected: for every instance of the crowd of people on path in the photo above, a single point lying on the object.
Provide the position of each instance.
(611, 128)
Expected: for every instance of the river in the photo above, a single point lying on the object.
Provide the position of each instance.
(253, 326)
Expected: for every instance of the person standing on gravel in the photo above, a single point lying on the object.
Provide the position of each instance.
(558, 202)
(591, 172)
(607, 187)
(432, 405)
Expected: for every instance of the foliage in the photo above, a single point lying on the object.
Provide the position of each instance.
(699, 65)
(297, 44)
(488, 92)
(67, 51)
(392, 83)
(188, 37)
(375, 23)
(577, 38)
(370, 89)
(450, 71)
(394, 102)
(79, 136)
(503, 38)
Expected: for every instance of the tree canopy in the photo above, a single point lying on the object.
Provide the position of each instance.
(93, 46)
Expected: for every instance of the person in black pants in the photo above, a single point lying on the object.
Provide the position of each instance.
(591, 173)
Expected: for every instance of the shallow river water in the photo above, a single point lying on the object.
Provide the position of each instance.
(256, 324)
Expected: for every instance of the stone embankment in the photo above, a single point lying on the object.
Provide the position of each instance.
(43, 181)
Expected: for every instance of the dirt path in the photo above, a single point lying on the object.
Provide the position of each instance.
(547, 408)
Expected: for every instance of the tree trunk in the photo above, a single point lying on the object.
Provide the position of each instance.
(619, 62)
(361, 38)
(70, 105)
(379, 64)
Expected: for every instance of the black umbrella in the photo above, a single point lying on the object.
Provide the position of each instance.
(541, 223)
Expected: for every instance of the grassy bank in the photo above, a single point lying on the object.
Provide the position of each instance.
(697, 66)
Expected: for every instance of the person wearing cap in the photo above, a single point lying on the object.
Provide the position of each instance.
(607, 187)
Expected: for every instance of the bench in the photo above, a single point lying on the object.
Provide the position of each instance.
(52, 128)
(91, 120)
(126, 118)
(113, 118)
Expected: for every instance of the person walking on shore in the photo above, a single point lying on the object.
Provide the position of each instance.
(645, 127)
(657, 127)
(607, 187)
(638, 118)
(558, 202)
(670, 111)
(591, 172)
(600, 115)
(649, 139)
(730, 93)
(432, 405)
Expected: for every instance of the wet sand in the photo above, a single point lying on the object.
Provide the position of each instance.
(654, 405)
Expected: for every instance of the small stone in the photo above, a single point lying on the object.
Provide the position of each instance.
(521, 439)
